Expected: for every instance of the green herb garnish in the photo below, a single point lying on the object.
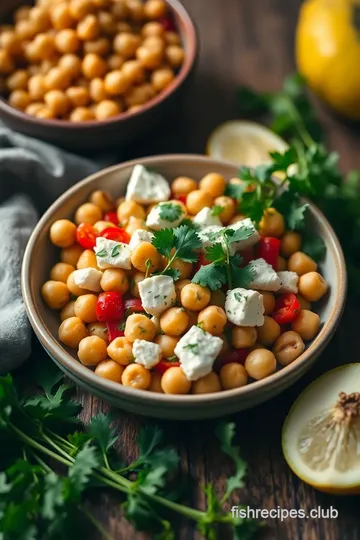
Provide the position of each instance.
(193, 347)
(116, 250)
(148, 265)
(170, 211)
(216, 210)
(102, 253)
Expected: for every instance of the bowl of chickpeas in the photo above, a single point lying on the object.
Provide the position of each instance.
(90, 74)
(116, 285)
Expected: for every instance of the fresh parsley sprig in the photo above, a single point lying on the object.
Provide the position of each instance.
(170, 211)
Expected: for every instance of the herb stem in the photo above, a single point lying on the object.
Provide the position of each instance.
(56, 447)
(299, 124)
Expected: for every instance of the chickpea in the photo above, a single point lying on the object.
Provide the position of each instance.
(134, 224)
(155, 9)
(172, 38)
(115, 279)
(63, 233)
(57, 79)
(66, 41)
(116, 83)
(61, 271)
(139, 95)
(97, 90)
(71, 64)
(67, 311)
(107, 109)
(103, 200)
(155, 385)
(88, 213)
(151, 29)
(34, 108)
(195, 297)
(143, 253)
(60, 16)
(72, 331)
(85, 307)
(212, 319)
(206, 385)
(126, 44)
(290, 243)
(80, 8)
(306, 324)
(179, 285)
(312, 286)
(236, 219)
(134, 286)
(108, 369)
(100, 226)
(73, 288)
(304, 304)
(272, 223)
(88, 28)
(301, 263)
(174, 321)
(183, 185)
(156, 43)
(197, 200)
(115, 62)
(107, 23)
(185, 268)
(120, 10)
(45, 113)
(100, 47)
(57, 102)
(174, 55)
(288, 347)
(136, 376)
(139, 327)
(136, 10)
(10, 43)
(120, 350)
(167, 344)
(71, 254)
(37, 87)
(22, 13)
(130, 208)
(268, 333)
(93, 66)
(243, 337)
(232, 376)
(260, 363)
(78, 96)
(92, 351)
(174, 381)
(282, 264)
(43, 47)
(149, 58)
(18, 80)
(161, 78)
(214, 184)
(98, 329)
(25, 30)
(55, 293)
(133, 71)
(228, 208)
(269, 302)
(41, 18)
(19, 99)
(123, 27)
(82, 114)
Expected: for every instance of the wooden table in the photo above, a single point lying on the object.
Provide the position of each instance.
(245, 42)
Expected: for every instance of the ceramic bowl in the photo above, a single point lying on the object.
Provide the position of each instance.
(40, 256)
(125, 128)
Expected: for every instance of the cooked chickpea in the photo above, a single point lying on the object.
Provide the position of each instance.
(45, 113)
(10, 42)
(167, 344)
(120, 350)
(212, 319)
(71, 65)
(156, 43)
(25, 30)
(174, 381)
(107, 109)
(133, 71)
(312, 286)
(195, 297)
(116, 83)
(100, 226)
(82, 114)
(80, 8)
(161, 78)
(136, 376)
(42, 47)
(139, 327)
(114, 279)
(260, 363)
(85, 307)
(301, 263)
(272, 223)
(67, 311)
(88, 28)
(41, 17)
(155, 9)
(61, 271)
(228, 208)
(134, 224)
(78, 96)
(97, 90)
(60, 16)
(62, 233)
(66, 41)
(98, 329)
(206, 385)
(236, 219)
(130, 208)
(155, 385)
(73, 288)
(120, 10)
(55, 293)
(214, 184)
(152, 28)
(22, 13)
(18, 80)
(19, 99)
(88, 213)
(233, 376)
(93, 66)
(269, 302)
(268, 333)
(100, 46)
(174, 321)
(37, 87)
(197, 200)
(134, 285)
(136, 10)
(282, 264)
(71, 254)
(107, 23)
(34, 108)
(185, 268)
(72, 331)
(126, 44)
(146, 253)
(290, 243)
(92, 351)
(243, 337)
(57, 79)
(6, 62)
(138, 95)
(304, 304)
(108, 369)
(183, 185)
(172, 38)
(149, 58)
(288, 347)
(174, 55)
(306, 324)
(115, 62)
(179, 285)
(57, 101)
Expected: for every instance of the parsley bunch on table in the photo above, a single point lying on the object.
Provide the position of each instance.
(41, 434)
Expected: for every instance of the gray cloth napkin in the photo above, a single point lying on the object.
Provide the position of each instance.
(32, 175)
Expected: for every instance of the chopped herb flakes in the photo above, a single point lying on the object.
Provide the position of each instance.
(193, 347)
(102, 253)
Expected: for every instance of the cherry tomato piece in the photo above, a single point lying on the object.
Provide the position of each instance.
(238, 356)
(133, 305)
(111, 217)
(269, 249)
(164, 365)
(86, 235)
(114, 330)
(202, 261)
(181, 198)
(168, 24)
(287, 306)
(110, 307)
(117, 234)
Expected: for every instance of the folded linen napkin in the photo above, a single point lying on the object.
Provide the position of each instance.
(32, 175)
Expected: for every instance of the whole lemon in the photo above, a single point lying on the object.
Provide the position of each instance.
(328, 52)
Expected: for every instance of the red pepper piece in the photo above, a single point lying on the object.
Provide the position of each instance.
(164, 365)
(86, 235)
(238, 356)
(133, 305)
(201, 262)
(269, 249)
(110, 307)
(247, 255)
(111, 217)
(287, 307)
(117, 234)
(114, 330)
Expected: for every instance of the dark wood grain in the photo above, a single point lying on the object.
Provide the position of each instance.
(244, 42)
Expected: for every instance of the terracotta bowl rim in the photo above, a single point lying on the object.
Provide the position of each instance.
(87, 376)
(191, 39)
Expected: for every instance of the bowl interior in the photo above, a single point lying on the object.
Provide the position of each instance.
(41, 256)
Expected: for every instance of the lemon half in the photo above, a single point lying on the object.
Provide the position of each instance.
(321, 435)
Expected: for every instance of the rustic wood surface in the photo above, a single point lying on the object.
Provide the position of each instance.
(244, 42)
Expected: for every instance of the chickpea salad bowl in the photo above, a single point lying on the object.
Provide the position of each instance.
(159, 287)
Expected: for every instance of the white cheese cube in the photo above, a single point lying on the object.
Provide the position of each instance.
(157, 219)
(265, 278)
(205, 218)
(146, 186)
(138, 237)
(88, 278)
(110, 254)
(157, 294)
(244, 307)
(250, 241)
(210, 235)
(197, 351)
(146, 353)
(289, 282)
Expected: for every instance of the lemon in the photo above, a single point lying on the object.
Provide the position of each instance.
(244, 143)
(321, 435)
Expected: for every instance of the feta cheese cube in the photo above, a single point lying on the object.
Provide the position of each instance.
(88, 278)
(289, 282)
(157, 294)
(146, 353)
(250, 241)
(157, 219)
(146, 186)
(210, 235)
(138, 237)
(205, 218)
(110, 254)
(264, 276)
(197, 351)
(244, 307)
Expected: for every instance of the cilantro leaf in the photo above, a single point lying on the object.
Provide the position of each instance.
(115, 250)
(215, 253)
(170, 211)
(189, 223)
(226, 434)
(172, 272)
(53, 495)
(101, 253)
(295, 218)
(101, 431)
(216, 210)
(186, 240)
(235, 191)
(242, 277)
(149, 438)
(80, 472)
(237, 235)
(211, 276)
(163, 241)
(314, 246)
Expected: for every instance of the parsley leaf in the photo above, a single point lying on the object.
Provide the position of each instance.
(237, 235)
(101, 431)
(242, 277)
(215, 253)
(186, 240)
(235, 191)
(163, 241)
(116, 250)
(172, 272)
(80, 472)
(170, 211)
(216, 210)
(226, 434)
(101, 253)
(314, 246)
(211, 276)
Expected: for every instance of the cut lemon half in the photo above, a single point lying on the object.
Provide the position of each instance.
(321, 435)
(244, 143)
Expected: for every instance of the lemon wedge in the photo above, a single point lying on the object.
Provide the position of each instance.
(321, 435)
(244, 143)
